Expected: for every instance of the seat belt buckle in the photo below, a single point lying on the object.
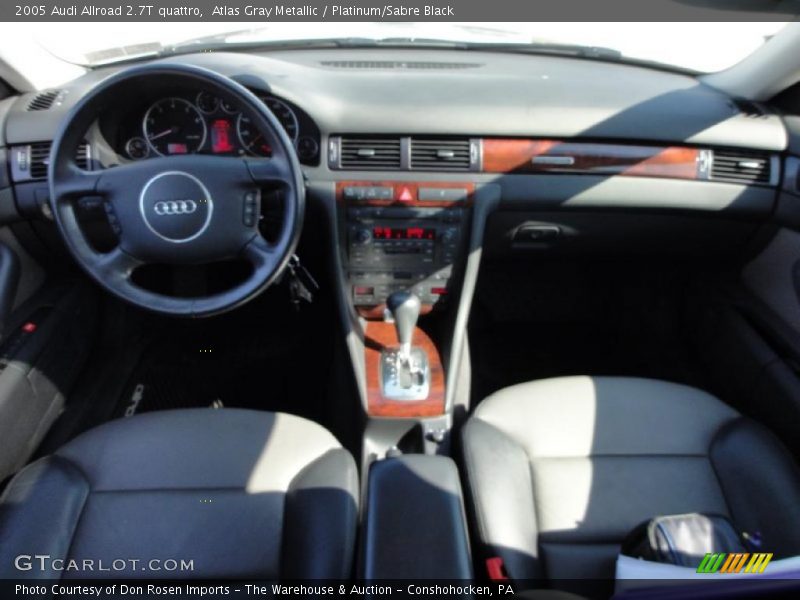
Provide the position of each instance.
(495, 569)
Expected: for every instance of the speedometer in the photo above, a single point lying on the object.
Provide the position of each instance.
(174, 126)
(254, 141)
(285, 116)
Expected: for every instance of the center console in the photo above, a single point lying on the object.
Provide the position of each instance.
(407, 249)
(402, 236)
(403, 249)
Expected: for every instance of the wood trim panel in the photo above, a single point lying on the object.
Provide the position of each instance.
(380, 335)
(518, 156)
(412, 189)
(377, 311)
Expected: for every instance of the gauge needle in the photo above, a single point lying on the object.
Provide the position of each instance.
(162, 134)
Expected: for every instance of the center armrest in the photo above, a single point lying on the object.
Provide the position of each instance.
(415, 526)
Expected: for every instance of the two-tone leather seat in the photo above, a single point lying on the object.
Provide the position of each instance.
(560, 470)
(235, 493)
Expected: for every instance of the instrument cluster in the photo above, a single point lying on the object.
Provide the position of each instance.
(202, 123)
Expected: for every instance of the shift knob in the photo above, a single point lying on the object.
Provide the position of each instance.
(404, 307)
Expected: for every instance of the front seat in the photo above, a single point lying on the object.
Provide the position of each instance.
(560, 470)
(234, 493)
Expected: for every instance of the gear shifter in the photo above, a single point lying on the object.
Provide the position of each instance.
(404, 307)
(404, 370)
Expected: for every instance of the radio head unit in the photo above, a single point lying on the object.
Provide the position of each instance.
(402, 236)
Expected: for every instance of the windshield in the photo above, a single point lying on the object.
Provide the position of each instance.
(703, 47)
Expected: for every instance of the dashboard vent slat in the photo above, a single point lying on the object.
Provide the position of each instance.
(43, 100)
(741, 167)
(82, 157)
(40, 159)
(440, 154)
(370, 153)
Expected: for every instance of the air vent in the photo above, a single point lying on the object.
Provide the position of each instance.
(82, 157)
(40, 159)
(370, 153)
(44, 100)
(396, 64)
(440, 155)
(741, 167)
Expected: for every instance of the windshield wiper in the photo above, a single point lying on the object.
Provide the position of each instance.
(404, 42)
(213, 43)
(598, 52)
(219, 42)
(208, 43)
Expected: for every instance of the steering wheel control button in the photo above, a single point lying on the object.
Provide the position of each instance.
(251, 209)
(111, 216)
(176, 206)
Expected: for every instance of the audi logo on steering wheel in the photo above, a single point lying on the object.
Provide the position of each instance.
(174, 207)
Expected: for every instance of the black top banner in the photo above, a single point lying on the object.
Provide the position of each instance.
(264, 11)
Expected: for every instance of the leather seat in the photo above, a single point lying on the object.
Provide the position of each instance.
(560, 470)
(244, 494)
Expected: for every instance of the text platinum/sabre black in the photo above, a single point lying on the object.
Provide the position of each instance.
(332, 10)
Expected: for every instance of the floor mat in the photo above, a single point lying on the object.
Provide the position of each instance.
(591, 320)
(519, 352)
(242, 364)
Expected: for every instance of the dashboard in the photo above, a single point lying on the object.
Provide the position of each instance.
(406, 145)
(175, 121)
(420, 164)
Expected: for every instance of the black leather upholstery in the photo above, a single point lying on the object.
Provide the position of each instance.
(414, 526)
(240, 493)
(560, 470)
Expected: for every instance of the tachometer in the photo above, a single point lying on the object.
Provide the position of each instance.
(174, 126)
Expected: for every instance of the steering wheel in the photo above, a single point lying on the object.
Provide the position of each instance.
(183, 209)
